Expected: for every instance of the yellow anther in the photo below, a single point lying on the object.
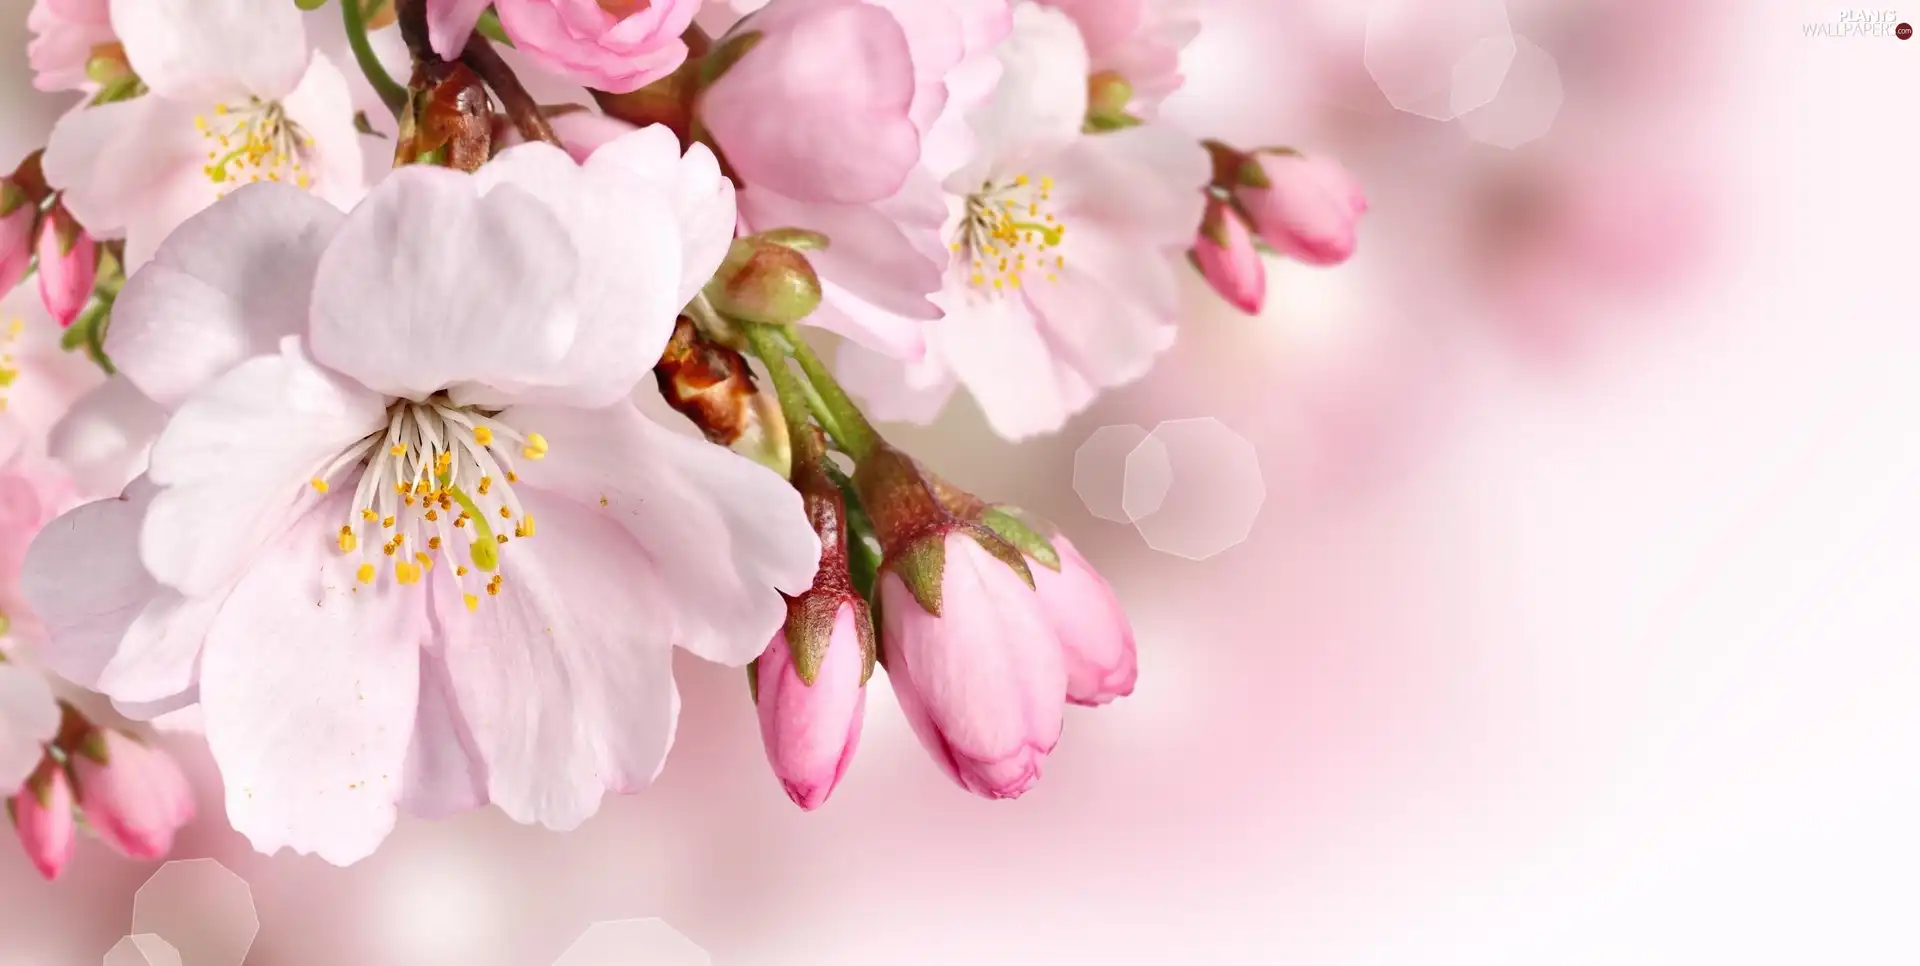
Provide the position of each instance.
(389, 548)
(525, 529)
(405, 573)
(536, 447)
(506, 514)
(486, 483)
(493, 590)
(369, 515)
(473, 603)
(425, 562)
(460, 521)
(513, 477)
(367, 573)
(399, 449)
(319, 486)
(483, 435)
(433, 515)
(459, 571)
(348, 542)
(501, 539)
(387, 523)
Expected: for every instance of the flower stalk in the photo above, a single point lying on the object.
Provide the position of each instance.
(392, 94)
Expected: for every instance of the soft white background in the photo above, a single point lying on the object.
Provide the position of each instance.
(1609, 661)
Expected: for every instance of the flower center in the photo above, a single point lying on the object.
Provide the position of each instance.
(252, 142)
(1008, 230)
(9, 363)
(437, 482)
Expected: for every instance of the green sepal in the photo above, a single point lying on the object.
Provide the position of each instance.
(810, 620)
(1108, 123)
(12, 197)
(93, 747)
(1026, 539)
(1252, 175)
(124, 89)
(920, 565)
(89, 333)
(869, 641)
(753, 680)
(722, 58)
(1001, 550)
(309, 5)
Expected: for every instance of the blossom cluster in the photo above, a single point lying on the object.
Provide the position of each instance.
(367, 473)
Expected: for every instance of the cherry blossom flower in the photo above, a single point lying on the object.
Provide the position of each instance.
(611, 45)
(1064, 249)
(235, 96)
(335, 542)
(888, 254)
(67, 35)
(1138, 41)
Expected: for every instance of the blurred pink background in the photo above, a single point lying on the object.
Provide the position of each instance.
(1580, 624)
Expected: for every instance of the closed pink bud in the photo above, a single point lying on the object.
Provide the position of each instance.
(1307, 208)
(1228, 259)
(811, 731)
(977, 668)
(43, 818)
(134, 796)
(18, 217)
(1102, 663)
(818, 107)
(68, 258)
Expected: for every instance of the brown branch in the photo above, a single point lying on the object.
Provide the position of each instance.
(520, 106)
(412, 15)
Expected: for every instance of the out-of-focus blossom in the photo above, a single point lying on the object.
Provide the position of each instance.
(812, 728)
(1229, 260)
(978, 669)
(1094, 633)
(1307, 207)
(365, 607)
(42, 813)
(888, 256)
(235, 96)
(132, 795)
(67, 36)
(19, 221)
(1137, 41)
(69, 257)
(609, 45)
(28, 720)
(1063, 251)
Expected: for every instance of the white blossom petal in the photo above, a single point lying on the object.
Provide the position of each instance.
(725, 534)
(28, 719)
(213, 51)
(309, 686)
(228, 285)
(566, 676)
(234, 465)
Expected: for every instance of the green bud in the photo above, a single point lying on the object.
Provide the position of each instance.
(765, 283)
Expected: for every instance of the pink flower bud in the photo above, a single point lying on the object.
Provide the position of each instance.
(610, 45)
(1094, 634)
(43, 817)
(68, 258)
(976, 666)
(818, 107)
(1307, 208)
(811, 731)
(18, 218)
(134, 796)
(1228, 259)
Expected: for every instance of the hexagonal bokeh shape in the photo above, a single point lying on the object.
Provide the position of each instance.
(1147, 478)
(145, 949)
(1100, 470)
(1213, 488)
(1438, 58)
(202, 909)
(1527, 104)
(633, 942)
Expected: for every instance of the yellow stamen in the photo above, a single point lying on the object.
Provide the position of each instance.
(367, 573)
(320, 486)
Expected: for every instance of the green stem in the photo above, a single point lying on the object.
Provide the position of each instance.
(855, 435)
(391, 93)
(769, 344)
